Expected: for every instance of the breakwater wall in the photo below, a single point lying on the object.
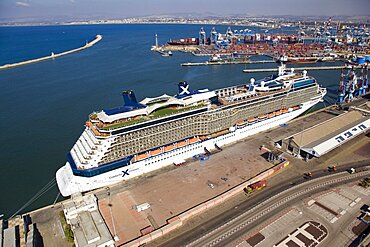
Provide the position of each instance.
(90, 44)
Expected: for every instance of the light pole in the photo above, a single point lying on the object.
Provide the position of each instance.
(115, 237)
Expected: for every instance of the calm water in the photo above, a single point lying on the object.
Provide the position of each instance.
(44, 105)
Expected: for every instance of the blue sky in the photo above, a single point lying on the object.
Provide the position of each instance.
(110, 9)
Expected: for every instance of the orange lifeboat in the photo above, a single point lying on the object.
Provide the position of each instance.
(278, 112)
(296, 108)
(240, 122)
(169, 148)
(271, 115)
(251, 120)
(141, 156)
(285, 110)
(262, 116)
(193, 140)
(181, 144)
(155, 152)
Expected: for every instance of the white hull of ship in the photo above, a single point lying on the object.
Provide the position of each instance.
(69, 184)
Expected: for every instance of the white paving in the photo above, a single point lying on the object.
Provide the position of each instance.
(362, 190)
(335, 201)
(281, 223)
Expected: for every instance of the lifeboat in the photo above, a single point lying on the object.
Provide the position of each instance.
(181, 144)
(193, 140)
(169, 148)
(240, 122)
(296, 108)
(139, 157)
(278, 112)
(262, 116)
(251, 120)
(271, 115)
(285, 110)
(155, 152)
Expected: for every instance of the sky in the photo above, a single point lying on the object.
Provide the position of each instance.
(114, 9)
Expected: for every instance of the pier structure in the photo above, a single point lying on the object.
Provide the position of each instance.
(53, 55)
(298, 69)
(228, 62)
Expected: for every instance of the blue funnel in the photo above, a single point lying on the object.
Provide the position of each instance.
(129, 98)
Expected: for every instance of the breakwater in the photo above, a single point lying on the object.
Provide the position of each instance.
(90, 44)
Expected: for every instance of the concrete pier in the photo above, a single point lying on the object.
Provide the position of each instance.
(297, 69)
(227, 62)
(96, 40)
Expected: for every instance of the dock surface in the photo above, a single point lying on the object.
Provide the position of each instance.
(227, 62)
(297, 68)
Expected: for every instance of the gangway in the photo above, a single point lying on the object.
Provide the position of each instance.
(218, 148)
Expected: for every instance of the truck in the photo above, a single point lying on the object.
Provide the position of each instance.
(351, 170)
(332, 168)
(307, 175)
(255, 186)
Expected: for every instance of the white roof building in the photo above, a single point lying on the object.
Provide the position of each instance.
(87, 224)
(328, 135)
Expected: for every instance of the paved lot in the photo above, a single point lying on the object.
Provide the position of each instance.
(175, 191)
(48, 223)
(342, 203)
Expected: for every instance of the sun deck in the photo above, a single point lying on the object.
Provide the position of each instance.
(101, 127)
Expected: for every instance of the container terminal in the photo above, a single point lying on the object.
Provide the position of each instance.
(319, 44)
(145, 208)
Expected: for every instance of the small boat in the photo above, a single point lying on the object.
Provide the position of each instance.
(166, 53)
(215, 58)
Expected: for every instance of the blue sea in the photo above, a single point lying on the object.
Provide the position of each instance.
(44, 105)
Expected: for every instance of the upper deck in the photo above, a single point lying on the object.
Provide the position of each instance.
(150, 111)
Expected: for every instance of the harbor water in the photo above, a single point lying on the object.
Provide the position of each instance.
(44, 105)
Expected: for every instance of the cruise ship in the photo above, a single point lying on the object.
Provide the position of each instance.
(138, 137)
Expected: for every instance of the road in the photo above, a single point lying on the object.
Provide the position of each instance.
(221, 230)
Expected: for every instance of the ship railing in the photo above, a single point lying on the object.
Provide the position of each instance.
(86, 145)
(92, 137)
(88, 140)
(77, 156)
(82, 150)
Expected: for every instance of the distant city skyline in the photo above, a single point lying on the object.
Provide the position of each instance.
(111, 9)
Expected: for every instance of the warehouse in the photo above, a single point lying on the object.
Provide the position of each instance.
(326, 136)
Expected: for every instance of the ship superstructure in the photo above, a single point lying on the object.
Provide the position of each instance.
(139, 137)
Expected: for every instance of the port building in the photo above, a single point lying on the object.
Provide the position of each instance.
(88, 226)
(326, 136)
